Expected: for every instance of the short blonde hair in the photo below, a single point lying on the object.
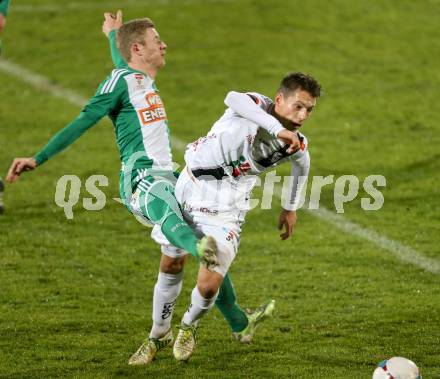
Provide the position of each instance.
(132, 32)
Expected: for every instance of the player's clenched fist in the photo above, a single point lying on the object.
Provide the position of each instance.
(291, 138)
(18, 166)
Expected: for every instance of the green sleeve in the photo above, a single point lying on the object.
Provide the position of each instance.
(4, 4)
(117, 59)
(99, 106)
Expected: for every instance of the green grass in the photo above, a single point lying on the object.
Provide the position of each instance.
(75, 294)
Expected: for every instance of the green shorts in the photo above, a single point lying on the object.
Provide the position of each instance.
(150, 197)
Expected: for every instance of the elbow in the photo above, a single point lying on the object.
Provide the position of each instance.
(229, 99)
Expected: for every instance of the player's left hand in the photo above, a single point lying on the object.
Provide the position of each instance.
(287, 220)
(111, 22)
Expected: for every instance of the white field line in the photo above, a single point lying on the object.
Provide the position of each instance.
(400, 251)
(108, 5)
(41, 82)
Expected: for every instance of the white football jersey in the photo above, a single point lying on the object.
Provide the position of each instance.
(237, 149)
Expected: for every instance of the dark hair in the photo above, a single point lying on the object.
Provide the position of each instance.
(299, 80)
(132, 32)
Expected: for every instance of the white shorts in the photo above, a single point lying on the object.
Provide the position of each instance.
(225, 227)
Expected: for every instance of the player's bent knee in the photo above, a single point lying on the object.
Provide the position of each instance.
(208, 292)
(208, 283)
(170, 265)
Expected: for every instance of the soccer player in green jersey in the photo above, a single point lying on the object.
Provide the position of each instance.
(130, 98)
(4, 4)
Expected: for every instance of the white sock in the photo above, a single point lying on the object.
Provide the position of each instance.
(199, 306)
(166, 291)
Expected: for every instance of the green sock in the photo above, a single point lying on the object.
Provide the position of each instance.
(227, 304)
(180, 234)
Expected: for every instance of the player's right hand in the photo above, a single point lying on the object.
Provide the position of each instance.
(111, 22)
(291, 138)
(287, 220)
(18, 166)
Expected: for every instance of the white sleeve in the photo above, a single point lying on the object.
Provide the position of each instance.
(292, 195)
(253, 107)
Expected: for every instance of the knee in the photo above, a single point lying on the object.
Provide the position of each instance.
(208, 293)
(208, 288)
(171, 265)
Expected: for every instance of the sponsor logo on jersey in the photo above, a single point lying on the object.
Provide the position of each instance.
(139, 81)
(153, 99)
(155, 110)
(211, 212)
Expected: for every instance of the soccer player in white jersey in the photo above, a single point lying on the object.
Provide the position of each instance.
(221, 170)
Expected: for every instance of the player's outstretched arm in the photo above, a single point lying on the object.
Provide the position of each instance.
(100, 105)
(66, 136)
(110, 27)
(18, 166)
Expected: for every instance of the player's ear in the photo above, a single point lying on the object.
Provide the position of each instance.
(136, 48)
(279, 98)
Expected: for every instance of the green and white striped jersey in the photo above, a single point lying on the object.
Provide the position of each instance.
(140, 120)
(132, 102)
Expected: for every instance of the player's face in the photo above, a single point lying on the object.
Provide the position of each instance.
(293, 109)
(155, 48)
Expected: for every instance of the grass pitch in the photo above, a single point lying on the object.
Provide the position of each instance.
(75, 295)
